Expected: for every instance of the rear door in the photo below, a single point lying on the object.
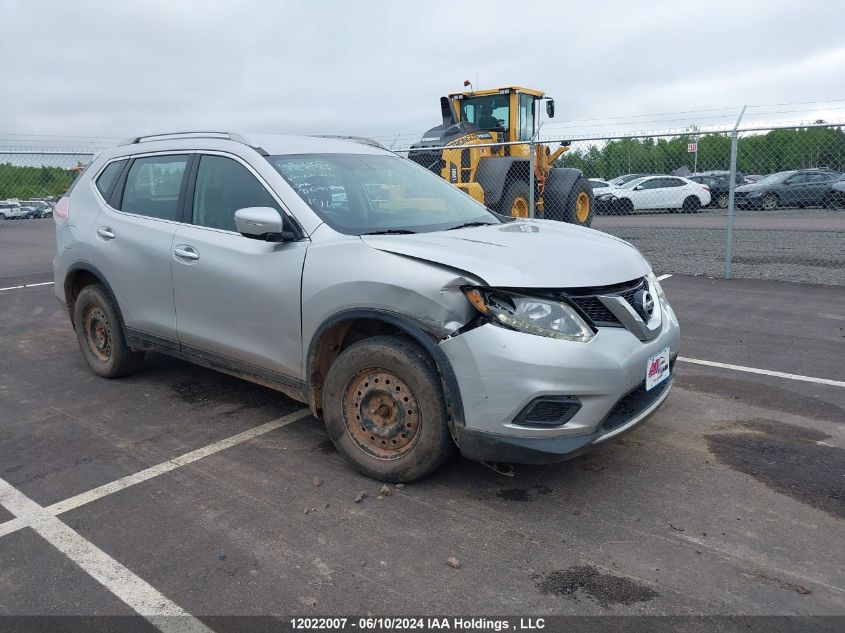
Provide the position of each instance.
(133, 236)
(237, 298)
(675, 191)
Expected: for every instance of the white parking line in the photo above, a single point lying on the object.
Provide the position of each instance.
(141, 596)
(662, 277)
(764, 372)
(176, 462)
(43, 283)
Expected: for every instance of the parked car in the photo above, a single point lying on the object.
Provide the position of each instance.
(836, 196)
(30, 213)
(661, 192)
(604, 197)
(11, 211)
(718, 182)
(798, 188)
(411, 324)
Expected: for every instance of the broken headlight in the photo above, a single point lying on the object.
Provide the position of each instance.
(533, 315)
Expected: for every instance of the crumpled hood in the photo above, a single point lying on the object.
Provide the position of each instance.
(524, 254)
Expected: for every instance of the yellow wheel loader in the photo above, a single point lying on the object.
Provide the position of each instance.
(458, 150)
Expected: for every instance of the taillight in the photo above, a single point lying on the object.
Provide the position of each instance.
(706, 187)
(62, 210)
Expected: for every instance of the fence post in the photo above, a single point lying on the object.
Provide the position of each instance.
(531, 213)
(729, 246)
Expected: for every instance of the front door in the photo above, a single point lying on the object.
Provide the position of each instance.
(237, 298)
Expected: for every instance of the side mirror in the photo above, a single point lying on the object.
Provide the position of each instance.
(262, 223)
(638, 188)
(550, 108)
(787, 182)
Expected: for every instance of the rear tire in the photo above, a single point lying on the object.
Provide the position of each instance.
(515, 201)
(578, 206)
(691, 204)
(99, 332)
(722, 201)
(385, 410)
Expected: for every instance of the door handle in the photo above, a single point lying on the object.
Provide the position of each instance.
(186, 252)
(105, 232)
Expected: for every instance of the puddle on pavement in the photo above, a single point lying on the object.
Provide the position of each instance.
(606, 589)
(788, 459)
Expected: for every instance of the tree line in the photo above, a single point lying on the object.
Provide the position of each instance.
(777, 150)
(33, 182)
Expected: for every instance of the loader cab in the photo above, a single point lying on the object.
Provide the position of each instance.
(511, 112)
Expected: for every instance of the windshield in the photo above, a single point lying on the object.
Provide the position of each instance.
(774, 178)
(487, 113)
(358, 194)
(621, 180)
(630, 184)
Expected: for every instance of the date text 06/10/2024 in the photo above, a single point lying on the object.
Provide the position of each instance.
(468, 625)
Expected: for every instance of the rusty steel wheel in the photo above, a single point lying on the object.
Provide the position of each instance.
(97, 332)
(381, 413)
(385, 409)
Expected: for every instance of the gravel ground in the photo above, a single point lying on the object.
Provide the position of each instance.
(806, 256)
(803, 245)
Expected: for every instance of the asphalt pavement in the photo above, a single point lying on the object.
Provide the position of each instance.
(183, 491)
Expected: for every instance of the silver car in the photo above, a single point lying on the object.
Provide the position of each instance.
(410, 318)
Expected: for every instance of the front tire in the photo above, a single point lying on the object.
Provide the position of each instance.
(722, 201)
(99, 332)
(515, 201)
(385, 410)
(770, 202)
(624, 206)
(576, 207)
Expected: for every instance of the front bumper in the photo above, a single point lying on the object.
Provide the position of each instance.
(500, 372)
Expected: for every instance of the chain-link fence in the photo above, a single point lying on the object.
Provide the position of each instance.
(754, 203)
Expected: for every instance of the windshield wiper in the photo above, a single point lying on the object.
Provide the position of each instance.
(468, 225)
(390, 232)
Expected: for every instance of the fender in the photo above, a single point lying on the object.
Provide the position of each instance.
(89, 268)
(492, 175)
(417, 332)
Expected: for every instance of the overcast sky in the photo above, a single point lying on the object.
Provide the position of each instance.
(117, 68)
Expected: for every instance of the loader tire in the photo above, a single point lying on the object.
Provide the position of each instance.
(575, 207)
(515, 201)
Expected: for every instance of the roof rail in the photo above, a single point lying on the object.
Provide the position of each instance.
(355, 139)
(232, 136)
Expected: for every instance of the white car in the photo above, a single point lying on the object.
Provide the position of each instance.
(661, 192)
(11, 210)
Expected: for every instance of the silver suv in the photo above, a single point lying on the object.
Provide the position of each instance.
(409, 317)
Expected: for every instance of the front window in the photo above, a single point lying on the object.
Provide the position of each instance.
(358, 194)
(486, 113)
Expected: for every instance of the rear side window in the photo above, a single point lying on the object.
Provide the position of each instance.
(108, 177)
(153, 185)
(224, 186)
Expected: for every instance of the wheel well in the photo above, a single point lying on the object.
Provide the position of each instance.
(332, 341)
(74, 284)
